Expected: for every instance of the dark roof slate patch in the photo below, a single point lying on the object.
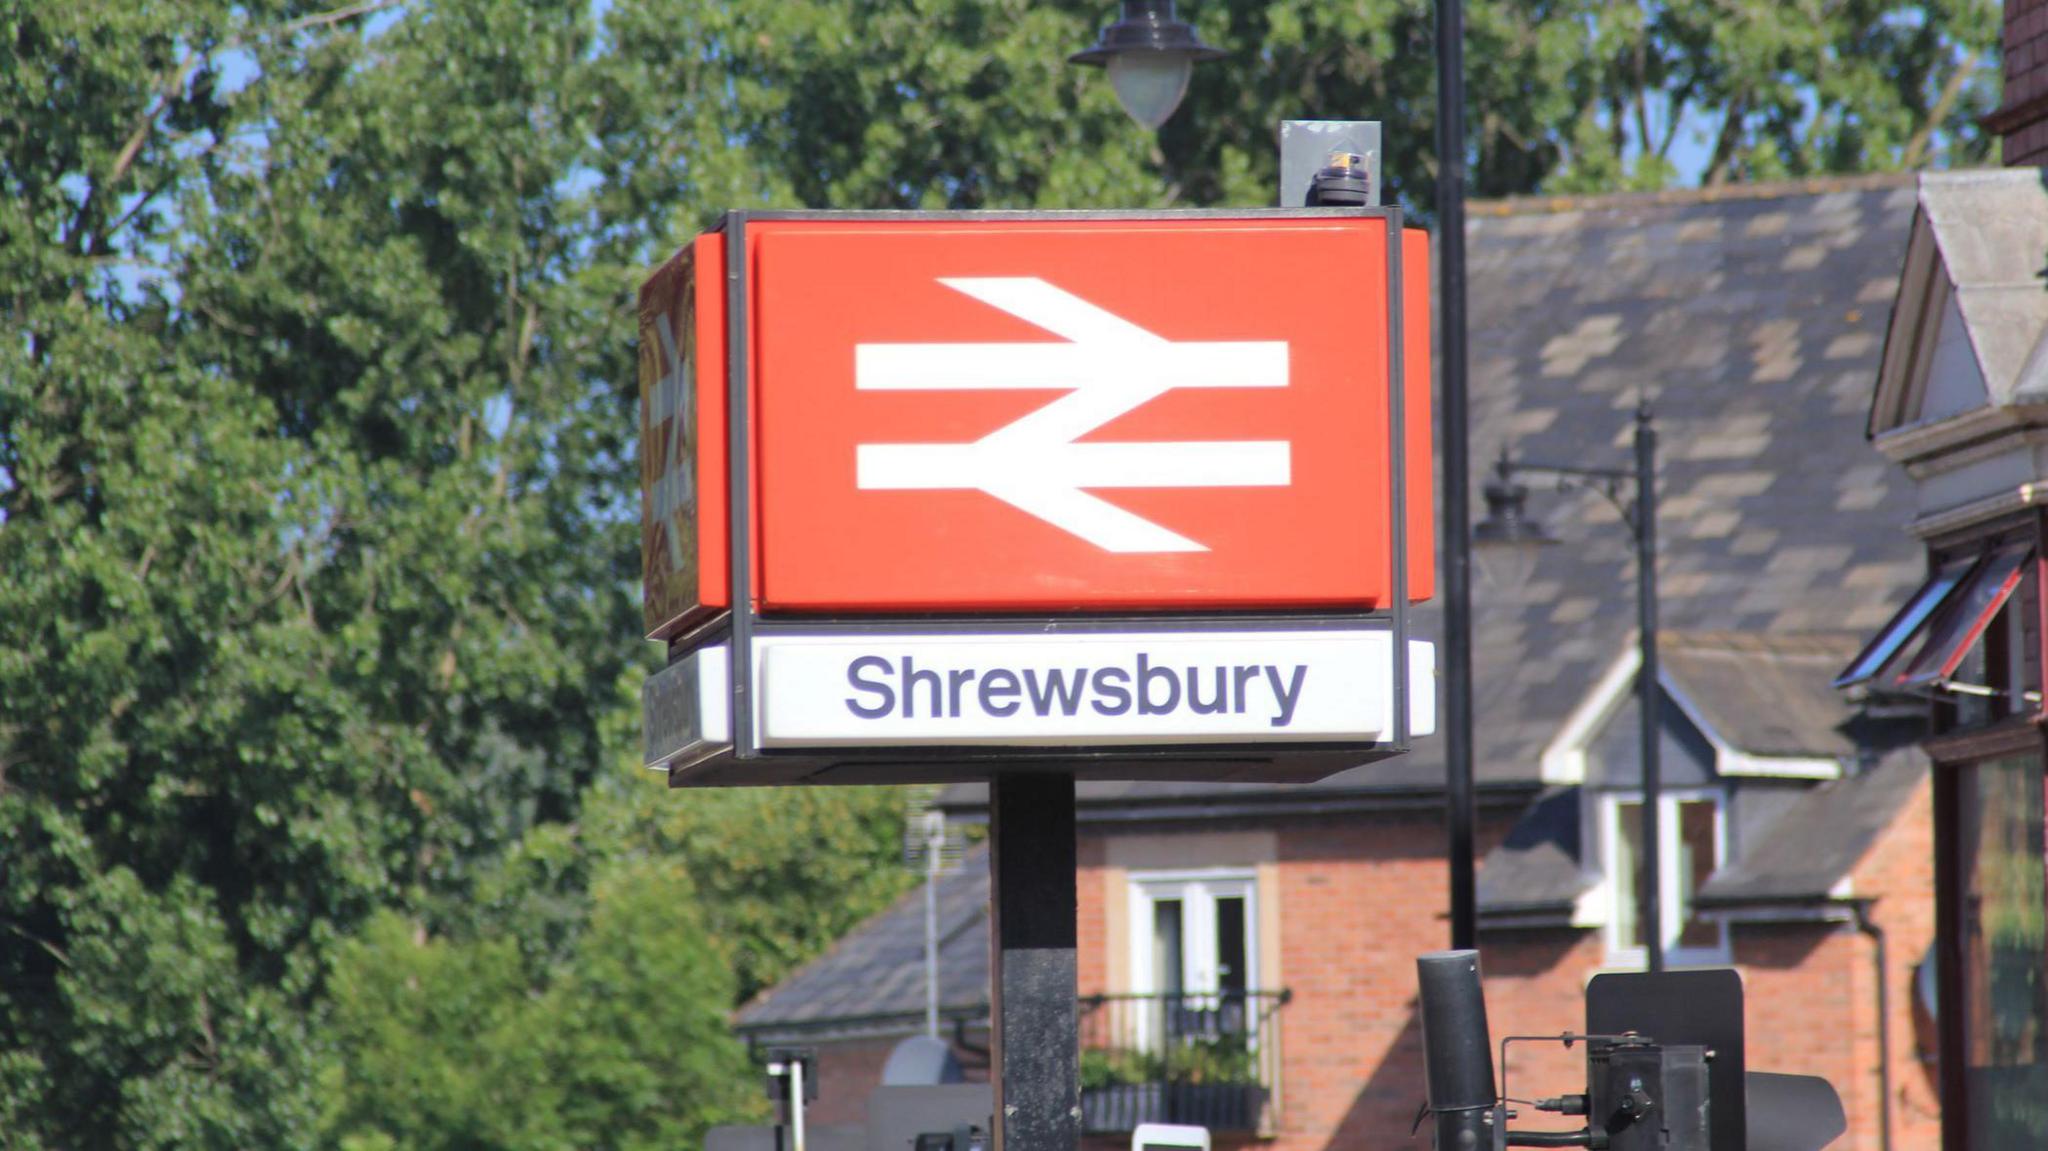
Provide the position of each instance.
(876, 972)
(1768, 695)
(1537, 867)
(1820, 837)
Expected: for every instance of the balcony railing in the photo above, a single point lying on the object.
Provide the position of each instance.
(1212, 1060)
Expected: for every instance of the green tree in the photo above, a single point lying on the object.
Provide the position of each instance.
(968, 103)
(781, 872)
(463, 1044)
(316, 462)
(580, 999)
(313, 573)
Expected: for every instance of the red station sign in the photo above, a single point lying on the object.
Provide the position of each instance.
(991, 416)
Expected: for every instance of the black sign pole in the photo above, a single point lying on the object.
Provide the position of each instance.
(1035, 1006)
(1035, 1058)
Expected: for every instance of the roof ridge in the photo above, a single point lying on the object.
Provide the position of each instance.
(1987, 175)
(1540, 205)
(1741, 640)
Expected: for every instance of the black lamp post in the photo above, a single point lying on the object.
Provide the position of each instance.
(1509, 539)
(1149, 54)
(1460, 790)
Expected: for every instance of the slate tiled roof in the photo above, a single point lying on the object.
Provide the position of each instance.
(873, 978)
(1753, 318)
(1816, 842)
(1754, 325)
(1764, 693)
(1536, 868)
(1991, 228)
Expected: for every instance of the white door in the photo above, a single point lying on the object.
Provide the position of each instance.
(1194, 949)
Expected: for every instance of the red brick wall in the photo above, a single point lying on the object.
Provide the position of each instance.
(1536, 985)
(1091, 923)
(848, 1072)
(1809, 994)
(2026, 81)
(1898, 874)
(1809, 1009)
(1804, 1007)
(1360, 897)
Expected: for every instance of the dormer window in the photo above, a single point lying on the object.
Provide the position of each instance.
(1693, 838)
(1747, 723)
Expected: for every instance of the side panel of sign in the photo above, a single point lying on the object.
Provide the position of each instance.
(682, 438)
(1415, 361)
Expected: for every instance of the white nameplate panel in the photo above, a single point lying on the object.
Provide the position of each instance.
(1071, 690)
(1082, 690)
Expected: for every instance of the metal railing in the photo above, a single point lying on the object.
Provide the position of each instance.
(1209, 1059)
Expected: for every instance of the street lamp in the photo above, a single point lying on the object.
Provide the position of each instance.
(1149, 54)
(1507, 542)
(1508, 535)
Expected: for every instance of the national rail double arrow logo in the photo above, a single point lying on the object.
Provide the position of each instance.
(1112, 367)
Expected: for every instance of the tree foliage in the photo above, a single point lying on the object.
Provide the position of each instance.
(461, 1043)
(317, 569)
(314, 578)
(968, 103)
(781, 874)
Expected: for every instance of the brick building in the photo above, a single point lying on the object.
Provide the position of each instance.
(1960, 403)
(2022, 116)
(1246, 951)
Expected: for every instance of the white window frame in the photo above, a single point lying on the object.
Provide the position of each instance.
(1194, 889)
(1669, 909)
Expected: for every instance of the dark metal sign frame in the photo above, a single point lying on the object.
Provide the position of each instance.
(749, 763)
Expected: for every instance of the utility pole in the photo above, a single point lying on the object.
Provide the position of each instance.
(1650, 883)
(1508, 529)
(1459, 790)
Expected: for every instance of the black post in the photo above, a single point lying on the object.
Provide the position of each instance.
(1036, 1015)
(1457, 1050)
(1651, 872)
(1456, 535)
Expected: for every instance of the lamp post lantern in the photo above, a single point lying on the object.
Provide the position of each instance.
(1149, 54)
(1506, 543)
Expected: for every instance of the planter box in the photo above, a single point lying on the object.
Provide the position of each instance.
(1218, 1106)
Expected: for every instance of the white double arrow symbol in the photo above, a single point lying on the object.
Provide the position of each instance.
(1112, 367)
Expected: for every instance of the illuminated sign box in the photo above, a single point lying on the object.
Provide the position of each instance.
(1049, 445)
